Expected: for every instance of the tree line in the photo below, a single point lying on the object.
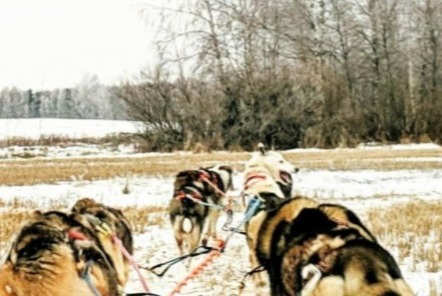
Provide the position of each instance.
(89, 99)
(292, 73)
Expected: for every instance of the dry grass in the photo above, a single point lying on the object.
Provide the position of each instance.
(114, 139)
(35, 171)
(376, 159)
(142, 217)
(414, 230)
(411, 231)
(14, 213)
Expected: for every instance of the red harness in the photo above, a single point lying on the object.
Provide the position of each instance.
(182, 195)
(213, 181)
(253, 179)
(76, 235)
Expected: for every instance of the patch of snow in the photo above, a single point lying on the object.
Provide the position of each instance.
(35, 128)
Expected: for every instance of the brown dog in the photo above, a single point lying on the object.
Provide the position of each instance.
(54, 255)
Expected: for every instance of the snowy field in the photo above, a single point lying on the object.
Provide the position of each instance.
(34, 128)
(360, 190)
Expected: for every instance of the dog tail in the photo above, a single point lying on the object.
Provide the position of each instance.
(187, 225)
(262, 148)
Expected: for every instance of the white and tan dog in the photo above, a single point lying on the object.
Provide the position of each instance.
(267, 177)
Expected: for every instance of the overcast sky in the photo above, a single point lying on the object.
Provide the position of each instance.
(46, 44)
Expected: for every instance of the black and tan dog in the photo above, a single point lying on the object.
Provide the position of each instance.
(299, 237)
(188, 209)
(54, 255)
(109, 224)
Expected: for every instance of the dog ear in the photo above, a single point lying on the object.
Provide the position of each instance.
(227, 168)
(262, 148)
(37, 214)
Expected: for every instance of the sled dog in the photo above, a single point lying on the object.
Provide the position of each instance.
(196, 194)
(313, 249)
(267, 179)
(54, 255)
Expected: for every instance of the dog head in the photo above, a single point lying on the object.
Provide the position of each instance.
(275, 165)
(221, 175)
(111, 217)
(188, 180)
(107, 222)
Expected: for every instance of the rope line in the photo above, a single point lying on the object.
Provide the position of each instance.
(174, 261)
(195, 271)
(253, 205)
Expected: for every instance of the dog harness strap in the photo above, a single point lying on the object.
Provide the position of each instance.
(250, 212)
(195, 271)
(75, 235)
(86, 276)
(205, 203)
(253, 179)
(206, 178)
(131, 260)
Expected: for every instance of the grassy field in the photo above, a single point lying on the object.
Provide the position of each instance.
(410, 230)
(41, 170)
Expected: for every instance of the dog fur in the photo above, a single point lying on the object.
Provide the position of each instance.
(299, 234)
(45, 260)
(208, 185)
(87, 212)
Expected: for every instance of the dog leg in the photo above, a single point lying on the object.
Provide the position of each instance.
(212, 221)
(193, 238)
(195, 235)
(330, 285)
(178, 232)
(261, 285)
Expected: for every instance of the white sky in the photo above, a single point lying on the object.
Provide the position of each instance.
(54, 43)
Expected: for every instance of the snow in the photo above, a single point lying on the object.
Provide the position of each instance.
(359, 189)
(35, 128)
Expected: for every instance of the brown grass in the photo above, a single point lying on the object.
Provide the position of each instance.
(142, 217)
(414, 229)
(14, 213)
(356, 159)
(34, 171)
(411, 231)
(113, 139)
